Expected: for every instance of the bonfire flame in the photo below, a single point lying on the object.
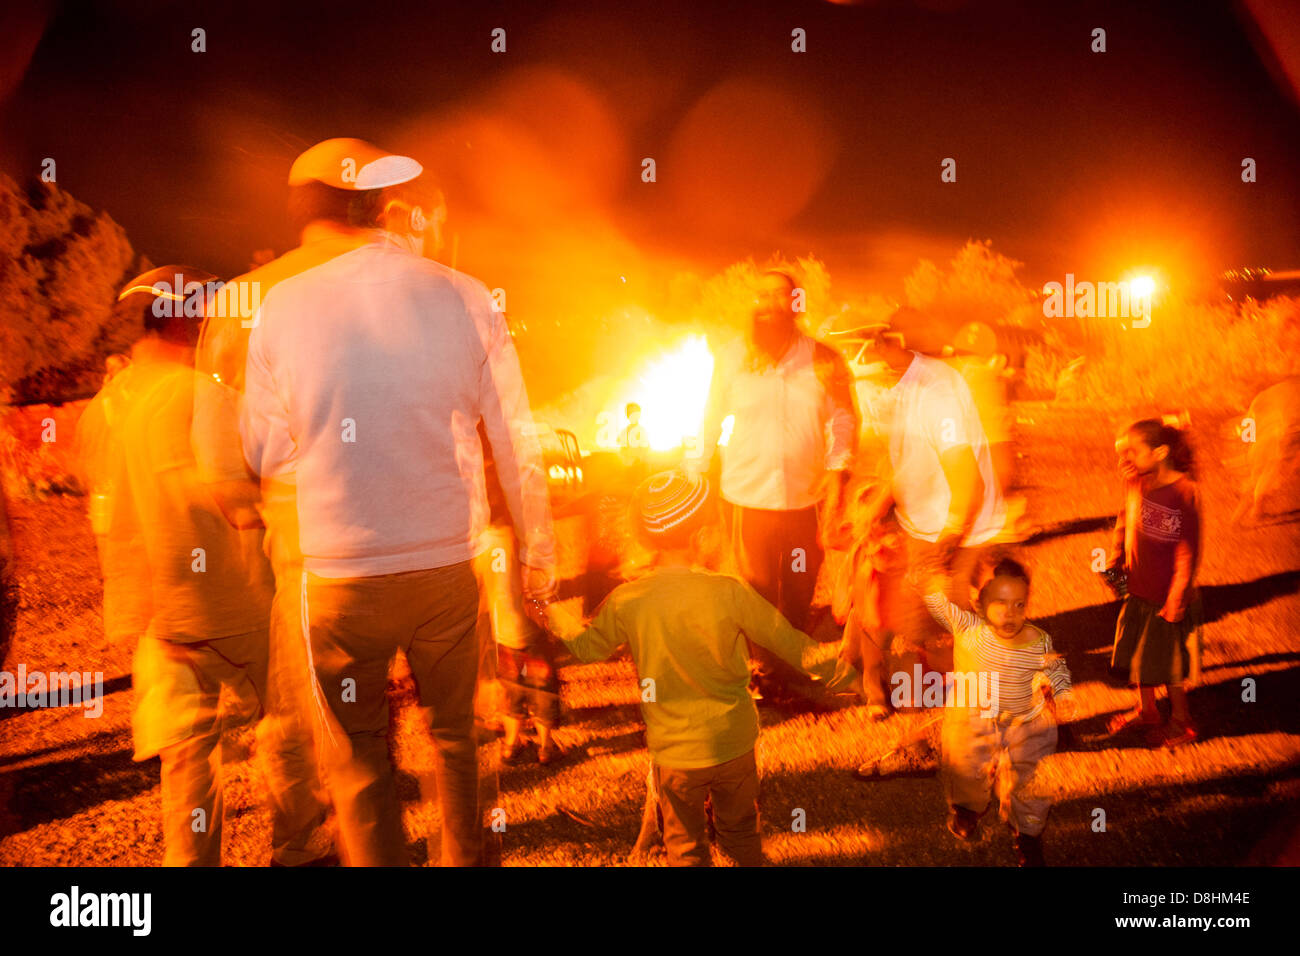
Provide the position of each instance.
(672, 390)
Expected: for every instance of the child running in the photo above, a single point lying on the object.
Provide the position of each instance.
(686, 628)
(1157, 546)
(1015, 659)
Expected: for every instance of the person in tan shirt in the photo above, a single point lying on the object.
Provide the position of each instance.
(199, 588)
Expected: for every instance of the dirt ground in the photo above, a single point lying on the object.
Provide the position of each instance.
(70, 793)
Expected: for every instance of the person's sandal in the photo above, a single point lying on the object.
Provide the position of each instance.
(1179, 735)
(1028, 849)
(1132, 720)
(549, 756)
(512, 754)
(964, 824)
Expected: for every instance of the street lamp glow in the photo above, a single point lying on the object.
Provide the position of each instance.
(1142, 287)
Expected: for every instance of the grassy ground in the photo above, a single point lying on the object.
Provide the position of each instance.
(71, 794)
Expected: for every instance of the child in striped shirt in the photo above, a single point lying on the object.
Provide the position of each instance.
(1016, 659)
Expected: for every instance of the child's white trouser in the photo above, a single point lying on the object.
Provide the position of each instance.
(974, 748)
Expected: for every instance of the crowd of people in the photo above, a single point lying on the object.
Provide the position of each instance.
(284, 500)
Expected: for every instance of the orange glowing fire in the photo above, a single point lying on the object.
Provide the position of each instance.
(672, 390)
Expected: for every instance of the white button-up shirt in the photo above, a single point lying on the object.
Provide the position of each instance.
(789, 427)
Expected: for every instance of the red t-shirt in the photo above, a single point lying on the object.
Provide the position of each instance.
(1167, 544)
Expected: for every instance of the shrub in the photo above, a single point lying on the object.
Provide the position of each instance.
(61, 265)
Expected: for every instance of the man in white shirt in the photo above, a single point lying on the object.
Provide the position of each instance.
(330, 221)
(367, 376)
(944, 490)
(792, 443)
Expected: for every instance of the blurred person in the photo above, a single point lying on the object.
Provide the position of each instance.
(366, 378)
(943, 491)
(791, 448)
(1156, 548)
(997, 645)
(512, 652)
(976, 357)
(198, 591)
(330, 222)
(686, 629)
(634, 444)
(872, 550)
(1272, 451)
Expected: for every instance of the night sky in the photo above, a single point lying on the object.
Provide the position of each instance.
(1067, 160)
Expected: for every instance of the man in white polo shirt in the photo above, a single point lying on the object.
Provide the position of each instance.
(367, 376)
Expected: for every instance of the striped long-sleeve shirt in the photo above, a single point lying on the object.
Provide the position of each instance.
(1022, 666)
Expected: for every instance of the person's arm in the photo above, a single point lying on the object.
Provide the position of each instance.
(700, 457)
(263, 421)
(1186, 554)
(595, 641)
(508, 423)
(966, 487)
(128, 589)
(1059, 676)
(949, 616)
(214, 437)
(1117, 558)
(954, 429)
(842, 419)
(765, 625)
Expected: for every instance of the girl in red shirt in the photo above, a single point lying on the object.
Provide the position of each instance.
(1157, 545)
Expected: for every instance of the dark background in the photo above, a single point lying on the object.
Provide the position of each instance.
(1068, 160)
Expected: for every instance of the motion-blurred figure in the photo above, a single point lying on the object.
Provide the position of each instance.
(983, 366)
(633, 445)
(1271, 433)
(943, 490)
(513, 652)
(793, 441)
(200, 587)
(872, 548)
(367, 377)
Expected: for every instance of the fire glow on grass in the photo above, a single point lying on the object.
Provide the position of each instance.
(672, 390)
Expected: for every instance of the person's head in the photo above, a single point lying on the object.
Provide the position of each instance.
(413, 215)
(1153, 447)
(1000, 594)
(773, 320)
(633, 412)
(672, 511)
(352, 184)
(910, 330)
(169, 303)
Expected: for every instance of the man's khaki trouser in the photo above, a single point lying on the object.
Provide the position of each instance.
(973, 748)
(355, 626)
(732, 787)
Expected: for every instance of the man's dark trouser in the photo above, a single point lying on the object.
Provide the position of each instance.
(355, 626)
(778, 553)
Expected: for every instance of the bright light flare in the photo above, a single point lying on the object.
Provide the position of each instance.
(1142, 287)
